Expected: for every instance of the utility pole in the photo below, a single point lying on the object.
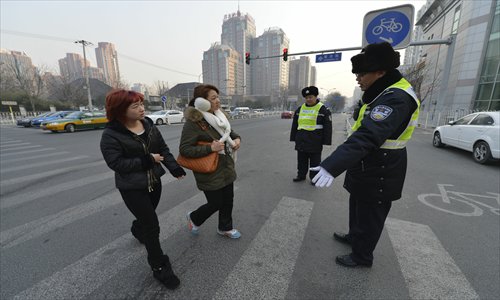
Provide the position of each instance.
(86, 71)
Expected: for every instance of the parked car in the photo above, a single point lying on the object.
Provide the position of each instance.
(77, 120)
(50, 117)
(166, 117)
(26, 122)
(478, 133)
(287, 115)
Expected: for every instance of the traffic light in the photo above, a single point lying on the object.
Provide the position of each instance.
(247, 58)
(285, 54)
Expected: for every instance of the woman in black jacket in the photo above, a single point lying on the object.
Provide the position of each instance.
(134, 148)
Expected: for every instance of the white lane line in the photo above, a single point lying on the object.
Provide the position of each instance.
(21, 148)
(10, 142)
(429, 270)
(7, 182)
(42, 163)
(265, 269)
(81, 278)
(25, 152)
(33, 157)
(12, 145)
(6, 202)
(16, 235)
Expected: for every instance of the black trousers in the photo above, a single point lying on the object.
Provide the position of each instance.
(366, 222)
(142, 204)
(219, 200)
(305, 160)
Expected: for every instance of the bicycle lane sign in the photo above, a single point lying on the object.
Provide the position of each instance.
(393, 25)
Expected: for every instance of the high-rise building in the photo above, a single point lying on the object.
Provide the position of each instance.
(313, 76)
(300, 75)
(72, 68)
(270, 76)
(17, 59)
(222, 68)
(465, 74)
(238, 32)
(139, 87)
(107, 60)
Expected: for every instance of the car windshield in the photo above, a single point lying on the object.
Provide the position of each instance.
(74, 115)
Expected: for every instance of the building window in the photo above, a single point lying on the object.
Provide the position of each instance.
(456, 19)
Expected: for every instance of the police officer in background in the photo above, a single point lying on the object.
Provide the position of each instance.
(311, 129)
(375, 154)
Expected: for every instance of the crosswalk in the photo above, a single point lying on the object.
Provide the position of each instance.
(264, 268)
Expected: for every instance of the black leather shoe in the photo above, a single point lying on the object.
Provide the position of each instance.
(342, 237)
(346, 261)
(297, 179)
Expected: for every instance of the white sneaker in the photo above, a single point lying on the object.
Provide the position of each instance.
(233, 233)
(192, 228)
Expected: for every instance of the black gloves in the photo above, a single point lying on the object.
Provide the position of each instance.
(178, 172)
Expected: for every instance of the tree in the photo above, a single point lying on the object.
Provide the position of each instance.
(335, 101)
(420, 79)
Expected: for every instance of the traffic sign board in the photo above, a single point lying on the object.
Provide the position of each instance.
(163, 99)
(328, 57)
(393, 25)
(9, 102)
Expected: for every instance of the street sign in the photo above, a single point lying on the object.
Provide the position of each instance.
(9, 102)
(163, 99)
(328, 57)
(393, 25)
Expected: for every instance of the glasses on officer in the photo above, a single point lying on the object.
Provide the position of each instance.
(359, 75)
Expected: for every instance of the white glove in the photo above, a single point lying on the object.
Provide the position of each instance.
(323, 178)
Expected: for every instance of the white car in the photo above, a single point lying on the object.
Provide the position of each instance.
(478, 133)
(166, 117)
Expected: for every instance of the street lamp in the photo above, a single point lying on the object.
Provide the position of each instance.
(86, 71)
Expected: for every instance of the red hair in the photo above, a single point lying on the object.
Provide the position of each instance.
(118, 101)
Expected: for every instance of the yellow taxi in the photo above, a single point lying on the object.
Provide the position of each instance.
(78, 120)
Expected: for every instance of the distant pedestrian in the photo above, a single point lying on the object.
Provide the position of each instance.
(375, 154)
(134, 148)
(311, 129)
(206, 122)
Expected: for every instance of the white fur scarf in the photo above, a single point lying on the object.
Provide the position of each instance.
(217, 120)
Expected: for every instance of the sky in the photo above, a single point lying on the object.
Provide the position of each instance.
(165, 40)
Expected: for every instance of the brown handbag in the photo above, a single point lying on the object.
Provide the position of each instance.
(204, 164)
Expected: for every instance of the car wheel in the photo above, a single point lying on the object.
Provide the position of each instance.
(54, 131)
(69, 128)
(436, 141)
(159, 122)
(481, 152)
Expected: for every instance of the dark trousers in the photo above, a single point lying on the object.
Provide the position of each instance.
(142, 204)
(219, 200)
(366, 222)
(306, 160)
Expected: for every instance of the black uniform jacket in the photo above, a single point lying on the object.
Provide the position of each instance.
(375, 174)
(129, 155)
(312, 141)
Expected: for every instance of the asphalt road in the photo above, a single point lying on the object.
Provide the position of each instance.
(64, 230)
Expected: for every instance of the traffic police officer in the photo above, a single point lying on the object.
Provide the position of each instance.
(311, 129)
(374, 155)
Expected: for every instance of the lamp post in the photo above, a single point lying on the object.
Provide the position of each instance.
(86, 71)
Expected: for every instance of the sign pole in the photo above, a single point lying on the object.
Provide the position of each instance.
(12, 115)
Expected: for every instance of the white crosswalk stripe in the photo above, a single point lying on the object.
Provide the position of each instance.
(21, 148)
(428, 269)
(42, 163)
(34, 157)
(266, 267)
(3, 155)
(14, 144)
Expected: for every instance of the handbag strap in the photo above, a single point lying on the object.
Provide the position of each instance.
(204, 127)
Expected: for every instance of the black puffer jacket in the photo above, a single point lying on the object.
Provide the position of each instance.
(129, 156)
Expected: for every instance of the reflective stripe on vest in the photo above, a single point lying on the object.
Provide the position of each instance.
(308, 116)
(403, 139)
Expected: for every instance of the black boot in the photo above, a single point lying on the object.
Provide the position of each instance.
(166, 275)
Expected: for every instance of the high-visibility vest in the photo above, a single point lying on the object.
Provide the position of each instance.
(308, 117)
(403, 139)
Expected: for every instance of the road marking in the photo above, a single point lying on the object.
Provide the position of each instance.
(14, 200)
(265, 269)
(11, 145)
(10, 142)
(7, 182)
(43, 163)
(16, 235)
(428, 269)
(21, 148)
(25, 152)
(81, 278)
(34, 157)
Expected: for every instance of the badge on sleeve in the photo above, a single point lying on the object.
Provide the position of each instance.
(380, 112)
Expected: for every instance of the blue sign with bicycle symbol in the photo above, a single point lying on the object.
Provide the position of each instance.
(392, 25)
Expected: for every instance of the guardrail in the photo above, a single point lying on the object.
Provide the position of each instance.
(256, 115)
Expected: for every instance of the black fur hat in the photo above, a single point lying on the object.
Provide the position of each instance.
(375, 57)
(310, 90)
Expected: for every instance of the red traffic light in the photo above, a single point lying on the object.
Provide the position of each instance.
(285, 54)
(247, 58)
